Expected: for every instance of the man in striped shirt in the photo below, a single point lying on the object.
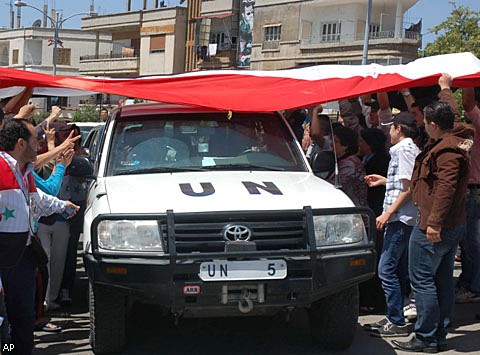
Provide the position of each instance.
(398, 218)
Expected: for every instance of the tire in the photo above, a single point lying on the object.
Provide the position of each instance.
(333, 319)
(107, 319)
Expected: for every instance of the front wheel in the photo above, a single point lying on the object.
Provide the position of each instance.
(333, 319)
(107, 319)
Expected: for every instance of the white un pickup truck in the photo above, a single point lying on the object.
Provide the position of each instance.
(211, 213)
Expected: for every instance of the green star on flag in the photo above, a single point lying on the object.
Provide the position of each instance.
(8, 214)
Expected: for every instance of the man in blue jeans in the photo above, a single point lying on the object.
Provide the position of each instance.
(398, 218)
(439, 186)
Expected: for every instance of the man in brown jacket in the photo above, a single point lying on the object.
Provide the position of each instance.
(439, 185)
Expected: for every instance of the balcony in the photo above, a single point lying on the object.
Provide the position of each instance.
(110, 23)
(380, 37)
(224, 59)
(122, 64)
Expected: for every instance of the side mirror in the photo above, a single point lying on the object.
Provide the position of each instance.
(323, 162)
(80, 166)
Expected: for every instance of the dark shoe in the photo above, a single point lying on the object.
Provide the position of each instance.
(442, 347)
(48, 327)
(65, 299)
(463, 295)
(415, 345)
(366, 310)
(391, 330)
(376, 325)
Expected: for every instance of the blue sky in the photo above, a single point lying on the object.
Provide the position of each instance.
(433, 12)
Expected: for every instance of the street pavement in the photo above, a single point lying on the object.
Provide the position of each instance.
(150, 333)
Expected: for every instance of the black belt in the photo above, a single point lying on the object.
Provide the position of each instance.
(474, 186)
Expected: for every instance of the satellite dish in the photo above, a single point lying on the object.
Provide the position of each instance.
(37, 23)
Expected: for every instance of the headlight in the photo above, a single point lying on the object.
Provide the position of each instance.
(339, 229)
(129, 235)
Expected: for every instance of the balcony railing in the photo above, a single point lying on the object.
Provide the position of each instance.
(134, 53)
(390, 34)
(410, 35)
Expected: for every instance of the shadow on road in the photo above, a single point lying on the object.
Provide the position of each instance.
(149, 332)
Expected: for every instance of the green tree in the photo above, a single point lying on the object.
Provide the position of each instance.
(460, 32)
(86, 113)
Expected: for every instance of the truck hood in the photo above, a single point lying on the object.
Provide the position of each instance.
(220, 191)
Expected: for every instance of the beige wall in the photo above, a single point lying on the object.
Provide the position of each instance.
(293, 50)
(172, 23)
(216, 6)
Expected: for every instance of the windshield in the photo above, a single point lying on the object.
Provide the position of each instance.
(202, 142)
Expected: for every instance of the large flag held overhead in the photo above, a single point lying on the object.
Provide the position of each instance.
(250, 90)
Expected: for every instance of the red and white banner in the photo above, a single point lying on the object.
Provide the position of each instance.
(249, 90)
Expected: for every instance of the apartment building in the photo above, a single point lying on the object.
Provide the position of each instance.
(144, 42)
(31, 48)
(298, 33)
(277, 34)
(217, 34)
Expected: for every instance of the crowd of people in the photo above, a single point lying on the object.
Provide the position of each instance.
(417, 166)
(41, 205)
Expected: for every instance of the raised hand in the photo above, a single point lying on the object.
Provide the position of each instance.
(66, 157)
(375, 180)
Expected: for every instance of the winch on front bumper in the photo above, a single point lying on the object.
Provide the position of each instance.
(204, 269)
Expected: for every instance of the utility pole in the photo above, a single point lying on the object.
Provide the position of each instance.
(12, 16)
(57, 22)
(45, 13)
(367, 33)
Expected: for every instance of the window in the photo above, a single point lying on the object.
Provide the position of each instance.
(331, 32)
(221, 39)
(374, 31)
(217, 38)
(64, 56)
(197, 140)
(15, 56)
(272, 33)
(157, 43)
(272, 37)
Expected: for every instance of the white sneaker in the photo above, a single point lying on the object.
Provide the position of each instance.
(410, 311)
(65, 298)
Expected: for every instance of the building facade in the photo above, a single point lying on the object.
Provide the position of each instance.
(278, 34)
(32, 49)
(217, 34)
(146, 42)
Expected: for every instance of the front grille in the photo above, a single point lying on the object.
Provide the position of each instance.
(268, 233)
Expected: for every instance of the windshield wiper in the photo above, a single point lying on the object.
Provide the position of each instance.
(243, 166)
(163, 169)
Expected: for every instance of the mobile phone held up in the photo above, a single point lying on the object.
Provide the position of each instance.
(68, 213)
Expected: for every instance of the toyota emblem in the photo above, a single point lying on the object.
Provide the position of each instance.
(237, 233)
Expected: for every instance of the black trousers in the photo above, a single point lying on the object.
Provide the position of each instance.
(76, 228)
(19, 286)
